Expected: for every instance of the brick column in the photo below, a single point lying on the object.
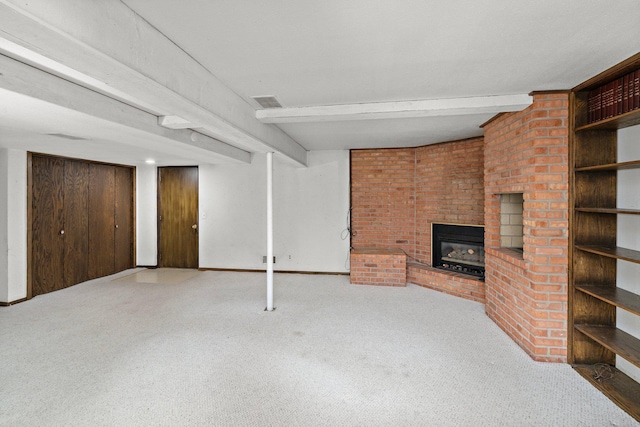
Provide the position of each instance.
(527, 152)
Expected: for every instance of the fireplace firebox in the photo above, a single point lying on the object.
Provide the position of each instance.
(458, 248)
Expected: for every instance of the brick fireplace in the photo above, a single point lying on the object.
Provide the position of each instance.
(397, 194)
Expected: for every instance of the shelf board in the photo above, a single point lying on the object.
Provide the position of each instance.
(610, 211)
(613, 295)
(635, 164)
(621, 389)
(616, 340)
(615, 252)
(630, 118)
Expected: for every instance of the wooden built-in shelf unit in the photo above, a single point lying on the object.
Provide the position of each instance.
(594, 296)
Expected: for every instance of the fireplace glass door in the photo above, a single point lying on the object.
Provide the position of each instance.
(459, 248)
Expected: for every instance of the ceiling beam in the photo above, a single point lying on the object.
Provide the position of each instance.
(29, 81)
(397, 110)
(175, 122)
(111, 49)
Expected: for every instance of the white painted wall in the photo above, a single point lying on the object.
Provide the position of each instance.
(628, 235)
(146, 216)
(13, 225)
(310, 212)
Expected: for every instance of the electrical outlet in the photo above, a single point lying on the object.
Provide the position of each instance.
(264, 259)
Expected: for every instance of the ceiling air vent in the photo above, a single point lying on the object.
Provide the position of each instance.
(269, 101)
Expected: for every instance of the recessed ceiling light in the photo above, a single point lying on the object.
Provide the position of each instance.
(150, 162)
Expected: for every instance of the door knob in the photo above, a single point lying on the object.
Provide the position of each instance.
(116, 225)
(194, 226)
(61, 231)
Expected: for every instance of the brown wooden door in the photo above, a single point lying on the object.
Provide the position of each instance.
(178, 217)
(74, 208)
(76, 221)
(123, 218)
(47, 224)
(101, 220)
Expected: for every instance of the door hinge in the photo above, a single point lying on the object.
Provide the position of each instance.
(160, 218)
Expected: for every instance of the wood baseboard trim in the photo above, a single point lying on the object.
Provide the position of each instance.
(7, 304)
(326, 273)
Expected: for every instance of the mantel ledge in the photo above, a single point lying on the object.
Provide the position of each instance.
(506, 254)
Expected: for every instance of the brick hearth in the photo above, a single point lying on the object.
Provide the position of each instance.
(449, 282)
(374, 266)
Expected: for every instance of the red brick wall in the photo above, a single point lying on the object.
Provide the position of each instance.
(383, 199)
(397, 193)
(449, 188)
(527, 152)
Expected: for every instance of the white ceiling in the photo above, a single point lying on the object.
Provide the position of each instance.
(309, 52)
(332, 52)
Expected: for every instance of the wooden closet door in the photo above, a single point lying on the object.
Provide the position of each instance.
(47, 225)
(123, 218)
(76, 222)
(101, 220)
(178, 212)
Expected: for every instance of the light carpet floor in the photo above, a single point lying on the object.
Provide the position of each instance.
(204, 353)
(167, 276)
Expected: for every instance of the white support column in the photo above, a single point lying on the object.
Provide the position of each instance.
(269, 232)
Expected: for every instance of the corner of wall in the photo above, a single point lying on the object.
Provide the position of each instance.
(146, 216)
(13, 225)
(4, 249)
